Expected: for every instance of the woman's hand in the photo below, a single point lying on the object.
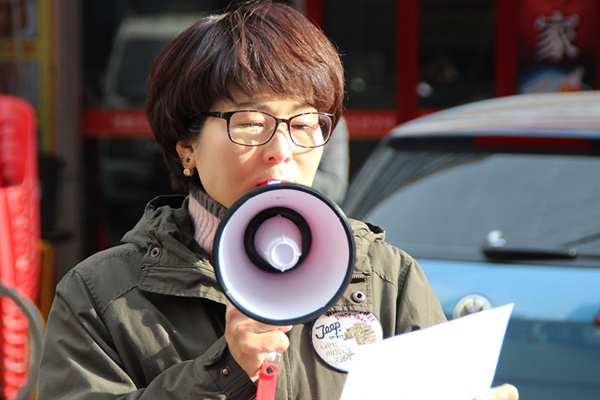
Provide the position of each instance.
(503, 392)
(249, 341)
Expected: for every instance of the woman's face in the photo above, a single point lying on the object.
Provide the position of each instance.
(228, 170)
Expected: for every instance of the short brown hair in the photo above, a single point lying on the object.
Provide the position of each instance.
(250, 46)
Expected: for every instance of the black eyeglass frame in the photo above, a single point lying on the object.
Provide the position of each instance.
(226, 115)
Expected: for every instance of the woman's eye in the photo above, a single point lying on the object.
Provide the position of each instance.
(304, 127)
(250, 125)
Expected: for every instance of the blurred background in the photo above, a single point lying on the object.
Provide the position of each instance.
(83, 64)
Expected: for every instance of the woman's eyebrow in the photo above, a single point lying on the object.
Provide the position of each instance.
(262, 106)
(251, 105)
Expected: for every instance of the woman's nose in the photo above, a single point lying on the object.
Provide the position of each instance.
(279, 148)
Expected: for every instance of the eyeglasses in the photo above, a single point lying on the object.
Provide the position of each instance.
(256, 128)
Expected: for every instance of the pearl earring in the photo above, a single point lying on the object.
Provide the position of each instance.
(188, 172)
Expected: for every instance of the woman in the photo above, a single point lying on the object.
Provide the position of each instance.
(236, 101)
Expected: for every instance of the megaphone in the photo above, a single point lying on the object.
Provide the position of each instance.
(284, 254)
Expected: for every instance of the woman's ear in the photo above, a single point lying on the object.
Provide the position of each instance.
(186, 154)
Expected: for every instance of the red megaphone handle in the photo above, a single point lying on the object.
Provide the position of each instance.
(267, 379)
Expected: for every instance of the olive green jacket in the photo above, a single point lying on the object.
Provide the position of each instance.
(145, 320)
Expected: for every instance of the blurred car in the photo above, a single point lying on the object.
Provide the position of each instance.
(131, 170)
(499, 201)
(137, 42)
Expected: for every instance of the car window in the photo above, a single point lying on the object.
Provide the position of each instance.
(135, 65)
(444, 204)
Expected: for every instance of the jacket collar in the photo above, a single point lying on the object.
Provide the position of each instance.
(173, 263)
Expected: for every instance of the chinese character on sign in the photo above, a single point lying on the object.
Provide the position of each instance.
(557, 33)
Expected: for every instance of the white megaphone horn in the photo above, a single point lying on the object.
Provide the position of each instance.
(284, 254)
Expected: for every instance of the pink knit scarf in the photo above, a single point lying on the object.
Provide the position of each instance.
(206, 214)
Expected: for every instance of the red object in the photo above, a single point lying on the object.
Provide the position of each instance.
(506, 44)
(116, 122)
(19, 236)
(370, 123)
(408, 36)
(314, 11)
(267, 381)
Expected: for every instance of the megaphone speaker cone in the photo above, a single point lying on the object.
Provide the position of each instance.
(277, 238)
(284, 254)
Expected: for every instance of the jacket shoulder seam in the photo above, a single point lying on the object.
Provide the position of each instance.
(103, 304)
(402, 264)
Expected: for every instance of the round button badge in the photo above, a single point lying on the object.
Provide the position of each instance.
(336, 336)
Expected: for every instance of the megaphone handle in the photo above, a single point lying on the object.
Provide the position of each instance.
(267, 379)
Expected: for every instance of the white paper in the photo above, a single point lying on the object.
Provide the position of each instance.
(454, 360)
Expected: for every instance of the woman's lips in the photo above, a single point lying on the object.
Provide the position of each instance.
(268, 182)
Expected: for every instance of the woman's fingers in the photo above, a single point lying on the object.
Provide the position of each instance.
(250, 341)
(503, 392)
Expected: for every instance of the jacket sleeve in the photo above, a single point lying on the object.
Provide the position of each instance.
(418, 306)
(79, 360)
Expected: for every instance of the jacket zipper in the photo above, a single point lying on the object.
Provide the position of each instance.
(359, 277)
